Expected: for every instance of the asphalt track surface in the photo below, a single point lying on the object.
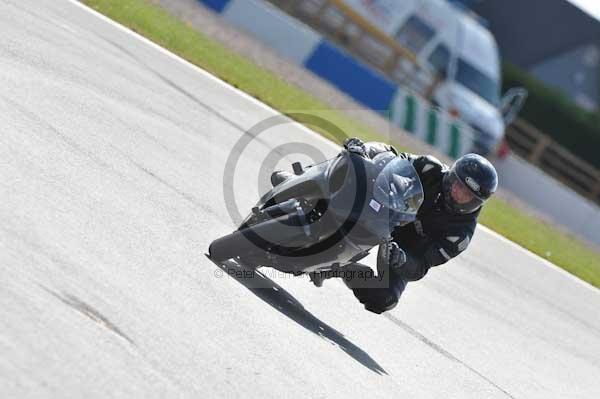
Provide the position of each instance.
(112, 155)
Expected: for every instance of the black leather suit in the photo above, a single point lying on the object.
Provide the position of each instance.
(437, 235)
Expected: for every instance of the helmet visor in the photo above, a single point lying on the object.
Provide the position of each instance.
(458, 196)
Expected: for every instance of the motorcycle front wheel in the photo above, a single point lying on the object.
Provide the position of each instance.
(256, 239)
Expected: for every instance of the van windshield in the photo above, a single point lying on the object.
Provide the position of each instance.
(478, 82)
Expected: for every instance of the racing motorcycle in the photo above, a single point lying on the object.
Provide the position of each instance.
(326, 216)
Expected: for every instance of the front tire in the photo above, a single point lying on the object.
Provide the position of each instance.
(230, 246)
(270, 233)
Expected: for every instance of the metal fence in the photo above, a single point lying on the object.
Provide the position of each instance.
(540, 150)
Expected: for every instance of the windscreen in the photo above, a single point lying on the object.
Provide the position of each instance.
(399, 188)
(478, 82)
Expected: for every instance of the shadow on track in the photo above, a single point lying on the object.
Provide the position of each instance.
(273, 294)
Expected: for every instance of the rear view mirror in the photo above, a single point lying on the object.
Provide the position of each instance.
(511, 104)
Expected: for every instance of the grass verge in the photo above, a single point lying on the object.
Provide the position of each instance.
(156, 24)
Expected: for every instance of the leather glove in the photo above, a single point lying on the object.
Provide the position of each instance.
(390, 256)
(356, 145)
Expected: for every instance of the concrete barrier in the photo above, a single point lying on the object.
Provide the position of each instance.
(550, 197)
(417, 116)
(291, 38)
(351, 76)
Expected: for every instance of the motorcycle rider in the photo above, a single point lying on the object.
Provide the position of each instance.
(443, 228)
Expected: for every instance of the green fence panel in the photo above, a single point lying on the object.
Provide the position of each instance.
(454, 151)
(432, 126)
(410, 114)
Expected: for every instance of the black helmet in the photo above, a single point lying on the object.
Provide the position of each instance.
(471, 180)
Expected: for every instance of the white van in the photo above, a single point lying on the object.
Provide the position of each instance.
(449, 41)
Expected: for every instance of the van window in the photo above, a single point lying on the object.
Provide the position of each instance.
(414, 34)
(478, 82)
(439, 59)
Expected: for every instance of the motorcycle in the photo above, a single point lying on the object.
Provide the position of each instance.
(326, 216)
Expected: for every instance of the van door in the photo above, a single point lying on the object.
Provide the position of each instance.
(439, 60)
(415, 33)
(431, 33)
